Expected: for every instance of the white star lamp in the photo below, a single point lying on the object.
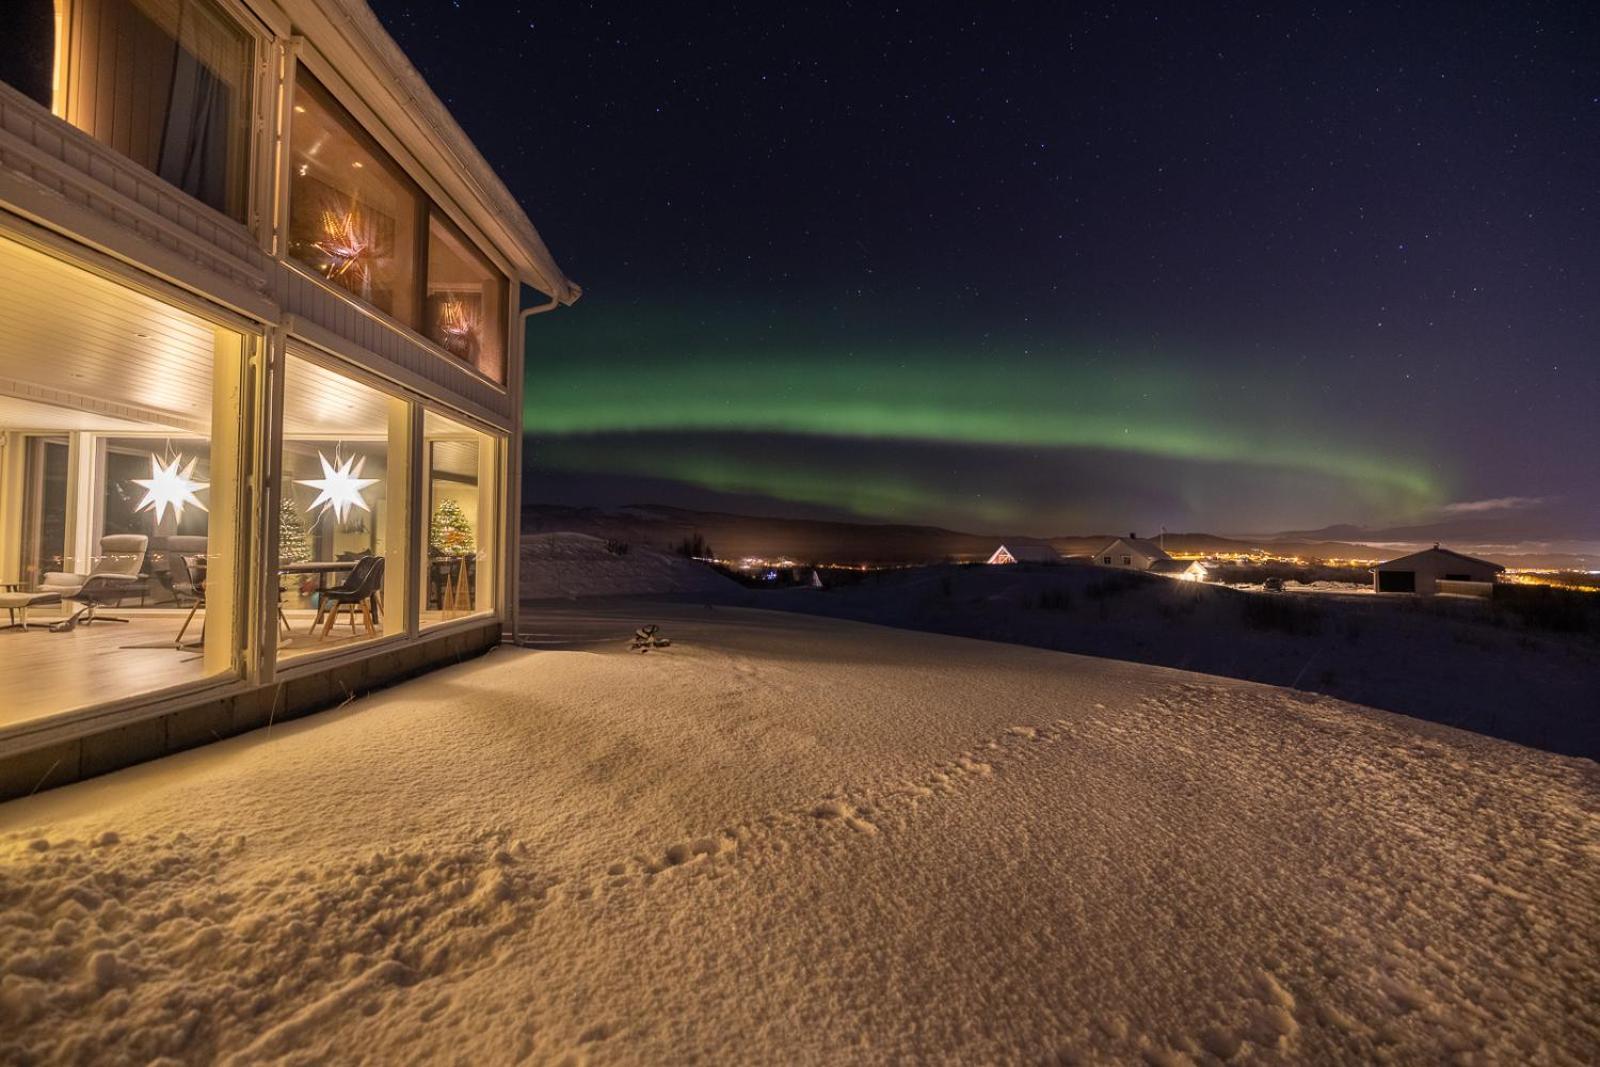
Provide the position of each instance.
(170, 487)
(340, 485)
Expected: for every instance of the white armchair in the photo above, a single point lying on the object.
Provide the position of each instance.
(116, 576)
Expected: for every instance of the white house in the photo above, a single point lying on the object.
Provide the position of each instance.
(262, 307)
(1133, 552)
(1025, 554)
(1436, 570)
(1189, 570)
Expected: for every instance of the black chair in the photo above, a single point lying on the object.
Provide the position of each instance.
(185, 586)
(351, 578)
(358, 592)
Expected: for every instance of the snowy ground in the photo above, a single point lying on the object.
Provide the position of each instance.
(566, 566)
(795, 839)
(1450, 660)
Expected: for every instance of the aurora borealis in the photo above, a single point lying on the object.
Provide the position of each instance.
(1043, 270)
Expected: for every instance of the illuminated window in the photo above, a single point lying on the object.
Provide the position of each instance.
(342, 514)
(459, 476)
(120, 520)
(167, 84)
(466, 309)
(354, 216)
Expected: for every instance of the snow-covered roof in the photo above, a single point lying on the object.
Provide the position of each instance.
(412, 103)
(1025, 554)
(1146, 548)
(1410, 561)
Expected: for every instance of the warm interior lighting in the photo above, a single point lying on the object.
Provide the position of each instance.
(349, 243)
(169, 487)
(340, 486)
(459, 325)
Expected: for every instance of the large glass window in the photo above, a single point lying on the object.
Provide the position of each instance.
(166, 83)
(342, 513)
(120, 454)
(459, 476)
(466, 309)
(354, 216)
(28, 47)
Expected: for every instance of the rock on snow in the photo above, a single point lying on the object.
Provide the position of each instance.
(802, 840)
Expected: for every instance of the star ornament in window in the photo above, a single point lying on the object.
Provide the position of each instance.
(170, 487)
(340, 486)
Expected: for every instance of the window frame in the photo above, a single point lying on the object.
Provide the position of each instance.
(262, 43)
(307, 61)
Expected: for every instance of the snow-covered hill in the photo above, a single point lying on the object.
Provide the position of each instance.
(803, 840)
(574, 565)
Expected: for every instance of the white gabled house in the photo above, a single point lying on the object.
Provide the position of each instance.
(1135, 553)
(1025, 554)
(1189, 570)
(262, 307)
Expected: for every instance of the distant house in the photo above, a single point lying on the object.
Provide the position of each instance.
(1189, 570)
(1132, 552)
(1436, 570)
(1025, 554)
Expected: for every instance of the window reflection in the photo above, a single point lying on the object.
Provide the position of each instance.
(466, 307)
(354, 217)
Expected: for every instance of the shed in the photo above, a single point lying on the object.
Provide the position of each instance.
(1435, 570)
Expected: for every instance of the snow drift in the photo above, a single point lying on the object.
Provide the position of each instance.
(801, 840)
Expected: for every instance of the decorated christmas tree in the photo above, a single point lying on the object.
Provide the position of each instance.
(449, 532)
(293, 547)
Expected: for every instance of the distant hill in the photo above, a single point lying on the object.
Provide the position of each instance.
(739, 536)
(821, 541)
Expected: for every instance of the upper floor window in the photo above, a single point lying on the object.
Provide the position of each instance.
(354, 216)
(466, 306)
(28, 47)
(166, 83)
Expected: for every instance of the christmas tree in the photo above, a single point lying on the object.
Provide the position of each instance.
(292, 544)
(449, 533)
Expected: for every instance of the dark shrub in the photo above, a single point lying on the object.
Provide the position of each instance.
(1541, 607)
(618, 548)
(1290, 615)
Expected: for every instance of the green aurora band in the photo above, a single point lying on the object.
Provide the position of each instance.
(1090, 403)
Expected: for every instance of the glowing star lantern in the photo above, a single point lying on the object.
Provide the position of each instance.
(169, 487)
(340, 486)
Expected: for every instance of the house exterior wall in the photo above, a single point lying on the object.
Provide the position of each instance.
(1122, 554)
(1431, 568)
(71, 197)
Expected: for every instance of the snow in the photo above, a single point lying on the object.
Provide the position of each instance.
(795, 839)
(573, 565)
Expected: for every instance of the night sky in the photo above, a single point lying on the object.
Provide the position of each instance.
(1023, 268)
